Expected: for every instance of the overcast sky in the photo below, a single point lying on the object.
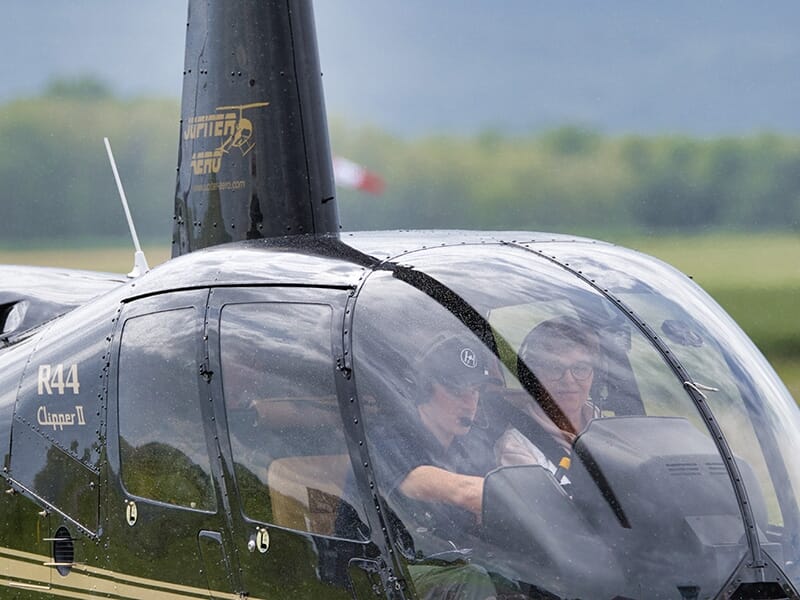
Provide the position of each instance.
(704, 68)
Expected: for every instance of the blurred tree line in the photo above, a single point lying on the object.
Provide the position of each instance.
(576, 179)
(57, 182)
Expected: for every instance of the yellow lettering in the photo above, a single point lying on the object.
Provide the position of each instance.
(230, 125)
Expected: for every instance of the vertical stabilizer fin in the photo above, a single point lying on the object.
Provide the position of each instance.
(254, 155)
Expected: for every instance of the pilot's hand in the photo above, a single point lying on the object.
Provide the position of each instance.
(433, 484)
(473, 496)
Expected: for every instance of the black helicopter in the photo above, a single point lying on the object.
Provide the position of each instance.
(230, 423)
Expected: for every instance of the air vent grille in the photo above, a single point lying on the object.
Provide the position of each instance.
(63, 551)
(684, 468)
(716, 468)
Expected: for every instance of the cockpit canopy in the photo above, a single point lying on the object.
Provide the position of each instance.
(628, 432)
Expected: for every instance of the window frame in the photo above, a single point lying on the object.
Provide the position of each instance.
(335, 299)
(196, 301)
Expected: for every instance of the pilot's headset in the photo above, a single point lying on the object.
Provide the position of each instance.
(453, 360)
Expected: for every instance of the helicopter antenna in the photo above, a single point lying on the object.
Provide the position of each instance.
(139, 261)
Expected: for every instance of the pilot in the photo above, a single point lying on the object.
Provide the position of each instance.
(432, 476)
(556, 364)
(424, 453)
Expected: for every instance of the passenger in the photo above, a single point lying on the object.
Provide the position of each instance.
(556, 365)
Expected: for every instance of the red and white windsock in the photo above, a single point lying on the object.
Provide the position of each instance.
(351, 175)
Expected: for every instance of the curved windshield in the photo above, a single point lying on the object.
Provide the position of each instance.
(528, 439)
(755, 411)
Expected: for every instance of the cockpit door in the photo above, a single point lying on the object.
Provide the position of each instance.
(297, 519)
(164, 512)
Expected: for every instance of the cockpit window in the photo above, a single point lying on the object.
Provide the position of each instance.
(163, 448)
(525, 426)
(291, 460)
(753, 408)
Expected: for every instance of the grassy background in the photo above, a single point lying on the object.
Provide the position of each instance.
(756, 278)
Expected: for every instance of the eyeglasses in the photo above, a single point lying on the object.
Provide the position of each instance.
(554, 371)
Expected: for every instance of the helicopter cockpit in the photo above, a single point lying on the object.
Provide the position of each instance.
(637, 457)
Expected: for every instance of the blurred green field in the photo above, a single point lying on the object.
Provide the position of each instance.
(100, 258)
(756, 278)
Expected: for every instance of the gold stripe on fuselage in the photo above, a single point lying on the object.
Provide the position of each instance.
(25, 570)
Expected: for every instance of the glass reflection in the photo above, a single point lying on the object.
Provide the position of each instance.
(526, 436)
(290, 456)
(162, 441)
(753, 408)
